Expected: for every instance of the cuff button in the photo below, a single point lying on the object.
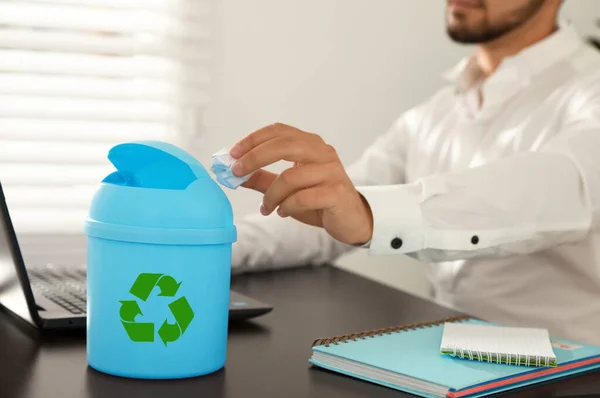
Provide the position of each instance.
(475, 239)
(396, 243)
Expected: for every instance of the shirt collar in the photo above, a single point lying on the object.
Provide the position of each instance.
(516, 71)
(555, 48)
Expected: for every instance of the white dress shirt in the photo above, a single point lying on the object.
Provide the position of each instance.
(494, 184)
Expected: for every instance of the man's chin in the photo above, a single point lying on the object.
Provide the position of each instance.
(462, 35)
(470, 36)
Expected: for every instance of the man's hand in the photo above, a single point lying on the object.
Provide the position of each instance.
(315, 191)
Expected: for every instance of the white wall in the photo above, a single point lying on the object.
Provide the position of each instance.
(342, 68)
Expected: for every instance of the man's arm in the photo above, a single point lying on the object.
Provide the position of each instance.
(275, 242)
(522, 204)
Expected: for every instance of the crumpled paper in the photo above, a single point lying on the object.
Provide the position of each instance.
(221, 168)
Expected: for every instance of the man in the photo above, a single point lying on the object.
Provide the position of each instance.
(494, 182)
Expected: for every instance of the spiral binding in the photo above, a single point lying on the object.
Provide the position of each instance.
(518, 359)
(380, 332)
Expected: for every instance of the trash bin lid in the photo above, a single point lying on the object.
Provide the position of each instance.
(159, 194)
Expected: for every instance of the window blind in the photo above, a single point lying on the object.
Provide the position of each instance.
(79, 76)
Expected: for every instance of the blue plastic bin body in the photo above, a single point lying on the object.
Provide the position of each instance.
(159, 262)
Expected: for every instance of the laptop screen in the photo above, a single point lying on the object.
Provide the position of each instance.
(12, 295)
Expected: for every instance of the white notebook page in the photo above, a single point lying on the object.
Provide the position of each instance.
(488, 343)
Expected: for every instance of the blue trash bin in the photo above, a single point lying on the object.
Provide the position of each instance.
(159, 237)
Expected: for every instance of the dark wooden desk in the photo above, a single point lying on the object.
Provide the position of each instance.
(266, 358)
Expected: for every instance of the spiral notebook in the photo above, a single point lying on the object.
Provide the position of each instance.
(489, 343)
(409, 358)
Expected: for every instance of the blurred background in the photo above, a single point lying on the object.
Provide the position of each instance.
(78, 76)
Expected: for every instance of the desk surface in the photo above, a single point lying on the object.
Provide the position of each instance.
(266, 357)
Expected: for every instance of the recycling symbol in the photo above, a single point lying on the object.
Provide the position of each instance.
(144, 331)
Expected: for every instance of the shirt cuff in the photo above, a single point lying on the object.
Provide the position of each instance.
(398, 225)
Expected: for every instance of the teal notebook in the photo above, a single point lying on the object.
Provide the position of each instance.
(408, 358)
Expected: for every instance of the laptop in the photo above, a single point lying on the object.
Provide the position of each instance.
(54, 296)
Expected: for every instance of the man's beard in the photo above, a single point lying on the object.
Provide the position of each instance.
(485, 32)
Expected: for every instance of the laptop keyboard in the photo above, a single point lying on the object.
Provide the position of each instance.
(65, 286)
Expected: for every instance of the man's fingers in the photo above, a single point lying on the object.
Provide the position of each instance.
(259, 137)
(260, 181)
(292, 148)
(320, 197)
(297, 178)
(275, 130)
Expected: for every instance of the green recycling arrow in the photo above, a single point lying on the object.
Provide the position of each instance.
(129, 310)
(183, 314)
(168, 286)
(143, 285)
(169, 333)
(140, 332)
(143, 331)
(136, 331)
